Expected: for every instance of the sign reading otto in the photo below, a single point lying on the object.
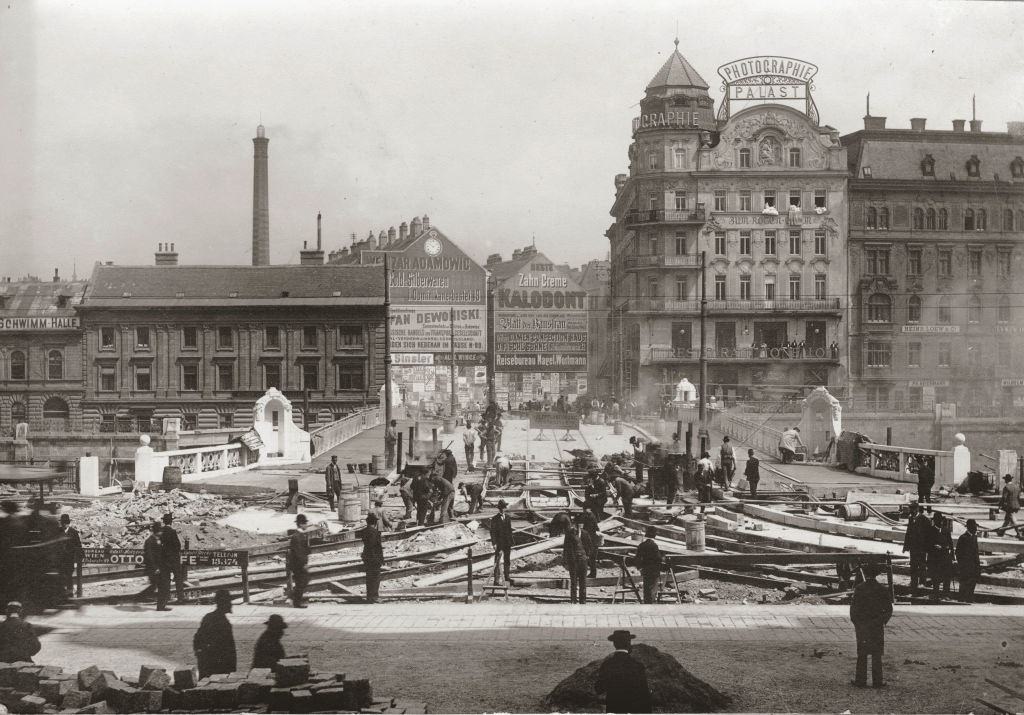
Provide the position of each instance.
(768, 80)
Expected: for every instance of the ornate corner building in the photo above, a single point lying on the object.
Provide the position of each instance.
(760, 190)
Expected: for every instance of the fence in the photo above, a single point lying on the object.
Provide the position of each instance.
(194, 463)
(755, 434)
(67, 471)
(333, 434)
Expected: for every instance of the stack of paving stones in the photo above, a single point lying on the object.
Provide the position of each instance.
(290, 687)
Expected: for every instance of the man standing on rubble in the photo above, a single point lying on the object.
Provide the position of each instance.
(70, 554)
(917, 542)
(574, 557)
(447, 497)
(390, 441)
(420, 488)
(925, 480)
(648, 560)
(153, 561)
(214, 642)
(968, 561)
(298, 560)
(332, 480)
(623, 679)
(373, 558)
(501, 539)
(870, 610)
(170, 551)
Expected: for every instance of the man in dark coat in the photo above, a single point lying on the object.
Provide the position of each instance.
(18, 642)
(596, 495)
(940, 558)
(968, 561)
(447, 492)
(925, 480)
(373, 557)
(623, 679)
(70, 554)
(152, 561)
(420, 489)
(170, 546)
(1009, 501)
(268, 648)
(870, 610)
(588, 524)
(648, 560)
(451, 467)
(473, 492)
(639, 457)
(624, 488)
(214, 642)
(298, 560)
(574, 557)
(501, 539)
(332, 481)
(917, 541)
(752, 472)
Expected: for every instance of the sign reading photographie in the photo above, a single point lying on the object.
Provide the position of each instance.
(768, 80)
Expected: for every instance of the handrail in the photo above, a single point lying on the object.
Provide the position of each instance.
(334, 433)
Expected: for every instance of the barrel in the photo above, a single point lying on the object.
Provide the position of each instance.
(618, 427)
(363, 496)
(694, 535)
(171, 478)
(377, 464)
(598, 418)
(349, 509)
(853, 512)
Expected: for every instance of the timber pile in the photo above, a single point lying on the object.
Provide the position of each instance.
(290, 687)
(673, 688)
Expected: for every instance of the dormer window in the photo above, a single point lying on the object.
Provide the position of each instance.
(866, 171)
(1017, 168)
(928, 165)
(744, 158)
(974, 166)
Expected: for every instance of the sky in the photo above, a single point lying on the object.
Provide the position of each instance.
(127, 124)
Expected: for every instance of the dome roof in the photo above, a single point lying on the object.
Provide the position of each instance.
(677, 72)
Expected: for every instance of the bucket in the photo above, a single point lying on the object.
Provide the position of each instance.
(853, 512)
(171, 478)
(618, 427)
(694, 535)
(378, 493)
(349, 510)
(376, 464)
(351, 467)
(364, 498)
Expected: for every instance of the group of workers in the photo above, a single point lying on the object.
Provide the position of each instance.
(934, 557)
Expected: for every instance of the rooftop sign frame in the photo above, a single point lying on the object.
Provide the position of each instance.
(768, 79)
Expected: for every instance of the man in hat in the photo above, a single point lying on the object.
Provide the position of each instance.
(390, 443)
(574, 558)
(968, 561)
(450, 466)
(501, 539)
(1009, 501)
(18, 642)
(917, 541)
(648, 560)
(373, 558)
(870, 610)
(70, 554)
(332, 481)
(170, 548)
(268, 648)
(593, 540)
(639, 457)
(447, 497)
(383, 522)
(473, 493)
(298, 560)
(752, 472)
(727, 457)
(153, 562)
(214, 642)
(623, 679)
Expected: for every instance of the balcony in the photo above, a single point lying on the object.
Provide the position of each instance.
(640, 218)
(658, 260)
(735, 307)
(654, 356)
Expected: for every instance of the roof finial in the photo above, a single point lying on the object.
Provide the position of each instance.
(974, 107)
(677, 36)
(868, 111)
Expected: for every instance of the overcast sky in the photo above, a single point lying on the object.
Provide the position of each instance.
(126, 124)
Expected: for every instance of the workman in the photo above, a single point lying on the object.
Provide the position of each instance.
(502, 470)
(373, 558)
(752, 472)
(968, 561)
(170, 551)
(638, 456)
(669, 477)
(298, 560)
(447, 497)
(420, 489)
(596, 495)
(473, 493)
(450, 466)
(940, 558)
(390, 442)
(705, 477)
(18, 641)
(648, 560)
(622, 679)
(870, 610)
(469, 444)
(917, 542)
(588, 523)
(332, 481)
(925, 479)
(156, 572)
(405, 491)
(268, 649)
(214, 642)
(624, 490)
(501, 539)
(728, 460)
(383, 522)
(789, 443)
(574, 558)
(1009, 501)
(70, 554)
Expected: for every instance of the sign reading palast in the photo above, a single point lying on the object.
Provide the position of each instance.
(47, 322)
(768, 79)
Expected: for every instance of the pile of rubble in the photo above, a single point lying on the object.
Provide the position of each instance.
(289, 687)
(449, 535)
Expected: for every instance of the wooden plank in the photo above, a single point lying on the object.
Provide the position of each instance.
(750, 560)
(1001, 711)
(1019, 694)
(485, 562)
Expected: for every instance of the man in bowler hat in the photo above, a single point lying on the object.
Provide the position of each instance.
(623, 679)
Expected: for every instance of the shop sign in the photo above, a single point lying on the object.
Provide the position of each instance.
(428, 329)
(937, 382)
(404, 359)
(767, 79)
(930, 329)
(48, 322)
(1012, 382)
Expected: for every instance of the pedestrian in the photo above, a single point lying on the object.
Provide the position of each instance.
(390, 442)
(574, 558)
(153, 563)
(70, 554)
(481, 431)
(705, 477)
(268, 648)
(373, 558)
(728, 459)
(501, 539)
(870, 610)
(18, 641)
(596, 495)
(214, 642)
(940, 558)
(789, 444)
(383, 522)
(670, 478)
(968, 561)
(624, 489)
(917, 543)
(298, 560)
(648, 560)
(469, 444)
(752, 472)
(405, 491)
(170, 548)
(1009, 502)
(639, 456)
(473, 493)
(420, 489)
(447, 496)
(925, 480)
(588, 523)
(623, 679)
(332, 480)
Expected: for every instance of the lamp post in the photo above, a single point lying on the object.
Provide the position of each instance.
(387, 348)
(703, 142)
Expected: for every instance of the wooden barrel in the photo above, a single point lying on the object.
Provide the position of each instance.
(694, 535)
(618, 427)
(377, 464)
(853, 512)
(350, 510)
(171, 478)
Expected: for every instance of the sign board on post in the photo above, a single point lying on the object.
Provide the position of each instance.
(189, 558)
(554, 420)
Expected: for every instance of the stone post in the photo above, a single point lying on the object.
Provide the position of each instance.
(961, 458)
(144, 462)
(89, 476)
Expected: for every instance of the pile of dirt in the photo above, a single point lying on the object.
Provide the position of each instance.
(673, 688)
(449, 535)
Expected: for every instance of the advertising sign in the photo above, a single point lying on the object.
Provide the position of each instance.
(554, 420)
(768, 80)
(427, 329)
(42, 322)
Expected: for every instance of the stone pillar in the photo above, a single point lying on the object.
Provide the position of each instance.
(89, 476)
(144, 462)
(1008, 463)
(961, 458)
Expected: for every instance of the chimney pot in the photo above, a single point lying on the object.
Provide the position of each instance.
(172, 248)
(958, 125)
(403, 231)
(416, 226)
(426, 222)
(917, 123)
(391, 235)
(874, 122)
(975, 125)
(56, 276)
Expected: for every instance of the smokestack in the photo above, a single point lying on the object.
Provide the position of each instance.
(391, 235)
(313, 256)
(260, 201)
(56, 276)
(319, 243)
(403, 231)
(917, 123)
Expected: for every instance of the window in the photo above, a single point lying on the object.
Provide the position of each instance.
(309, 337)
(981, 221)
(914, 309)
(310, 376)
(272, 337)
(770, 198)
(913, 354)
(225, 420)
(1017, 168)
(928, 165)
(1003, 355)
(719, 201)
(943, 220)
(877, 263)
(108, 378)
(769, 287)
(350, 376)
(744, 158)
(679, 158)
(974, 262)
(968, 219)
(225, 376)
(794, 158)
(680, 244)
(271, 375)
(913, 261)
(680, 198)
(945, 262)
(820, 199)
(794, 197)
(794, 287)
(879, 308)
(654, 245)
(745, 201)
(106, 338)
(653, 286)
(973, 166)
(682, 288)
(55, 409)
(883, 218)
(18, 366)
(189, 421)
(190, 377)
(878, 397)
(769, 243)
(720, 243)
(945, 313)
(652, 201)
(745, 287)
(745, 243)
(820, 286)
(1004, 309)
(918, 219)
(1003, 263)
(879, 354)
(794, 243)
(142, 338)
(866, 172)
(225, 337)
(945, 354)
(350, 336)
(652, 160)
(929, 219)
(55, 365)
(974, 310)
(719, 287)
(143, 378)
(973, 354)
(915, 398)
(1008, 220)
(820, 244)
(872, 218)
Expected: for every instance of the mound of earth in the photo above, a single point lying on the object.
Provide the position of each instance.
(673, 688)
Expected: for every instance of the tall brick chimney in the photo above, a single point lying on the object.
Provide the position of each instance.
(260, 201)
(313, 256)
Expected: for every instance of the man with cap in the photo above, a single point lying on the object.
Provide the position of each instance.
(152, 561)
(268, 648)
(332, 481)
(473, 492)
(648, 560)
(70, 554)
(214, 642)
(18, 642)
(373, 557)
(170, 547)
(447, 496)
(752, 472)
(968, 561)
(623, 679)
(298, 560)
(870, 610)
(1009, 501)
(501, 539)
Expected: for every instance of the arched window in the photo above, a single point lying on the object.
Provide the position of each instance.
(914, 309)
(973, 166)
(883, 217)
(1004, 309)
(879, 308)
(1017, 168)
(872, 217)
(929, 220)
(974, 310)
(1008, 220)
(943, 220)
(55, 409)
(55, 365)
(18, 367)
(968, 219)
(945, 316)
(18, 413)
(981, 221)
(918, 218)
